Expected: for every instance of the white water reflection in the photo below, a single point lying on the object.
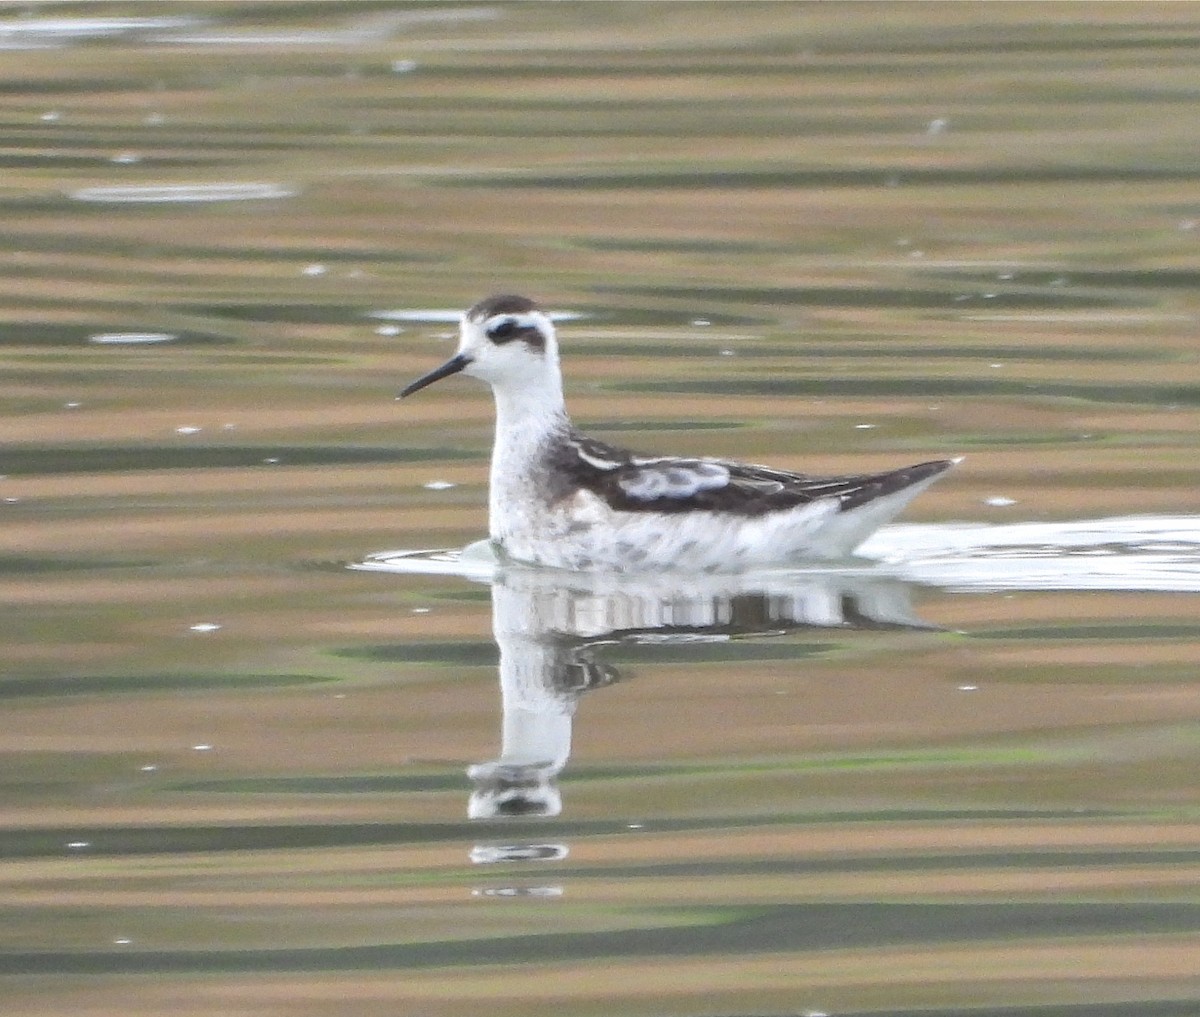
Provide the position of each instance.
(182, 193)
(1126, 553)
(371, 27)
(41, 33)
(1150, 553)
(131, 338)
(551, 626)
(492, 854)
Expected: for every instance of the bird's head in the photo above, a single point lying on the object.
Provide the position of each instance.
(507, 341)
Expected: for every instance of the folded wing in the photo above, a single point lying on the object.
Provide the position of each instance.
(632, 483)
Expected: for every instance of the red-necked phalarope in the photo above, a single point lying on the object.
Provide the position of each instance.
(563, 500)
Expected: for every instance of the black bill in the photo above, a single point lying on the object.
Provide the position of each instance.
(451, 366)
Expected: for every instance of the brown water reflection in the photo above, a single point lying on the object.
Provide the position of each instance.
(830, 237)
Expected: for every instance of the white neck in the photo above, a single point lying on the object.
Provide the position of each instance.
(526, 417)
(530, 406)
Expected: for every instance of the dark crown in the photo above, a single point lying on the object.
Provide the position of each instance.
(505, 303)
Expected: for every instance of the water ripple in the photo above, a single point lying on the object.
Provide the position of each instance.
(1121, 553)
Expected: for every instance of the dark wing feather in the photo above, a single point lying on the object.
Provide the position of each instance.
(632, 483)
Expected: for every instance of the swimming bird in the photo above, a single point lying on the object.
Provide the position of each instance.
(560, 499)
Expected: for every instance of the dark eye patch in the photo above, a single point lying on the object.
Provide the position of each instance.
(506, 329)
(503, 331)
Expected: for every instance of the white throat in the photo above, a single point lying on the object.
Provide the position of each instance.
(530, 407)
(528, 416)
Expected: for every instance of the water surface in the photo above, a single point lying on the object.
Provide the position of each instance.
(260, 756)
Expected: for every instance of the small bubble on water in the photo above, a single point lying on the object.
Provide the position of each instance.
(149, 768)
(439, 485)
(126, 158)
(865, 427)
(937, 126)
(388, 330)
(403, 66)
(518, 891)
(421, 610)
(122, 941)
(52, 116)
(967, 688)
(271, 460)
(701, 321)
(154, 119)
(728, 353)
(79, 845)
(131, 338)
(202, 747)
(188, 429)
(204, 627)
(72, 405)
(999, 501)
(315, 270)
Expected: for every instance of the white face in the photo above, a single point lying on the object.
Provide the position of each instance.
(508, 347)
(507, 341)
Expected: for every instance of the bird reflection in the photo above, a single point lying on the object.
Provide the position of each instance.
(552, 627)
